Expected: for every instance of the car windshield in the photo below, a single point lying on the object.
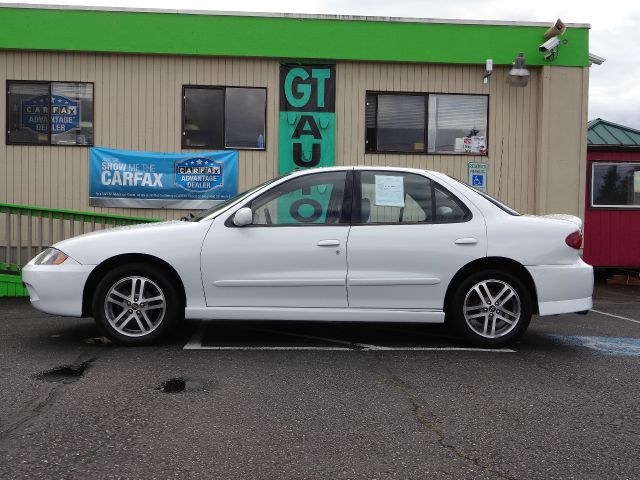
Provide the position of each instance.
(221, 206)
(488, 197)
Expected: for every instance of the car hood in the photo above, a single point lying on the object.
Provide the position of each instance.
(158, 239)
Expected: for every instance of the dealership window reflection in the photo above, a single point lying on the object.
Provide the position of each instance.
(49, 113)
(615, 185)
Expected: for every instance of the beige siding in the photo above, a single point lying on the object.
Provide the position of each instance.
(561, 165)
(138, 106)
(512, 122)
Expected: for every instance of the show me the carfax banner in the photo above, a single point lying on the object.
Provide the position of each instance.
(125, 178)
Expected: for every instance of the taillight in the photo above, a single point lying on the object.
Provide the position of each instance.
(574, 240)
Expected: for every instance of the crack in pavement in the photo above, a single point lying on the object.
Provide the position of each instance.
(40, 404)
(426, 419)
(37, 406)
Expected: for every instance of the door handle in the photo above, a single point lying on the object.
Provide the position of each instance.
(329, 243)
(466, 241)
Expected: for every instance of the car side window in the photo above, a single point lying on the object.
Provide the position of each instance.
(448, 208)
(314, 199)
(394, 197)
(388, 197)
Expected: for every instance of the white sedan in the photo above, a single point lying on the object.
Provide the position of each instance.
(337, 244)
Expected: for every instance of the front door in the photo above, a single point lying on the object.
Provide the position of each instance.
(292, 255)
(409, 237)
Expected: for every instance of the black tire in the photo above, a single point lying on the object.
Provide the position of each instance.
(159, 323)
(494, 278)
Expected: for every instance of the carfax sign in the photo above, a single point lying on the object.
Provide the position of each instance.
(124, 178)
(65, 114)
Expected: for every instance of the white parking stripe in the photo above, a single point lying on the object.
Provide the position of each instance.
(195, 343)
(615, 316)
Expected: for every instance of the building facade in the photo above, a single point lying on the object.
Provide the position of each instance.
(407, 92)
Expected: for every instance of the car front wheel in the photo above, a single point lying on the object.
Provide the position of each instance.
(136, 305)
(491, 309)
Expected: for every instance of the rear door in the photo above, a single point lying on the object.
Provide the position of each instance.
(409, 237)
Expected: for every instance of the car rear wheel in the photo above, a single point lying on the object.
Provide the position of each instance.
(136, 305)
(491, 309)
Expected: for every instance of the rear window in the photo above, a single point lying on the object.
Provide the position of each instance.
(489, 198)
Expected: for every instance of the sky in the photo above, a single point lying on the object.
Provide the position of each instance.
(614, 89)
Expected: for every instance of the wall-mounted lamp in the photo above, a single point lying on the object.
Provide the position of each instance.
(488, 71)
(519, 75)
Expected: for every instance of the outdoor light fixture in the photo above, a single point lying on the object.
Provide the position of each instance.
(519, 75)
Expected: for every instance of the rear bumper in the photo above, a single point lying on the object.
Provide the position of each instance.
(57, 289)
(563, 288)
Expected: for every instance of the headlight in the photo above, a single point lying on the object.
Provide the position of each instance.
(50, 256)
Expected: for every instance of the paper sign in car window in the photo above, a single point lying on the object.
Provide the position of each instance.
(389, 191)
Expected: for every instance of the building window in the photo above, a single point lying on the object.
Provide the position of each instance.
(395, 123)
(458, 124)
(224, 117)
(615, 185)
(49, 113)
(426, 123)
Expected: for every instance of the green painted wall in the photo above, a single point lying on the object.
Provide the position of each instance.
(295, 38)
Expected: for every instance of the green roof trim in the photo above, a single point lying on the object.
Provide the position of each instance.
(284, 37)
(602, 132)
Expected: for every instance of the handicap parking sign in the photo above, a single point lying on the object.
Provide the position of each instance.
(477, 175)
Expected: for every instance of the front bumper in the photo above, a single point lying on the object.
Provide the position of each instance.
(57, 289)
(563, 288)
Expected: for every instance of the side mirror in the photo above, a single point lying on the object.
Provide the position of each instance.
(243, 217)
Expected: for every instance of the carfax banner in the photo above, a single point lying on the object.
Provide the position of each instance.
(125, 178)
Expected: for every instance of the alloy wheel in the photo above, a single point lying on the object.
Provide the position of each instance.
(135, 306)
(492, 308)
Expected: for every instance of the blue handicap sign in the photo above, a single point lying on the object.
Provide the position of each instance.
(477, 180)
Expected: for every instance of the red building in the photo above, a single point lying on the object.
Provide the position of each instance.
(612, 214)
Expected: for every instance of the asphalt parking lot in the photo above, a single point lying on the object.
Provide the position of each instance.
(275, 400)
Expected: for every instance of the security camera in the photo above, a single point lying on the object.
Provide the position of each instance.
(550, 45)
(549, 49)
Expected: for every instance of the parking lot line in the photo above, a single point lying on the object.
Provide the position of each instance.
(615, 316)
